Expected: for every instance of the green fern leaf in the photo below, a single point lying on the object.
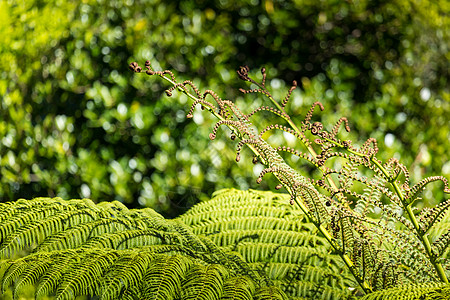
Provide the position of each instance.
(238, 288)
(204, 282)
(430, 290)
(164, 276)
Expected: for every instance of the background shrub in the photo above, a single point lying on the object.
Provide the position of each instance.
(74, 121)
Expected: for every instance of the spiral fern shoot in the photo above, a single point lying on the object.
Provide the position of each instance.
(381, 251)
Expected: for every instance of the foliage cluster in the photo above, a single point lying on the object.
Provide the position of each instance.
(329, 238)
(366, 209)
(224, 248)
(72, 126)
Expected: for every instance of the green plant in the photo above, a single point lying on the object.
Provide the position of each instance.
(73, 123)
(238, 245)
(335, 235)
(371, 221)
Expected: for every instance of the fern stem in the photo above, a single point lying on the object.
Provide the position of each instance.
(347, 260)
(423, 237)
(308, 147)
(407, 207)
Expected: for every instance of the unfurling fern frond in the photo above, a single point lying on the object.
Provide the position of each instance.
(378, 237)
(431, 217)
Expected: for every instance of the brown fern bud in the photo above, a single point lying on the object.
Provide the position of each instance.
(189, 116)
(263, 72)
(278, 186)
(238, 158)
(133, 66)
(320, 105)
(288, 96)
(346, 144)
(212, 136)
(233, 137)
(138, 69)
(243, 73)
(255, 160)
(168, 93)
(259, 180)
(320, 182)
(310, 112)
(316, 128)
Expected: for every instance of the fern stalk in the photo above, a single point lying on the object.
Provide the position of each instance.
(407, 207)
(347, 260)
(298, 131)
(423, 237)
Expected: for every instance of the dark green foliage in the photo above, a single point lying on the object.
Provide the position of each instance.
(72, 126)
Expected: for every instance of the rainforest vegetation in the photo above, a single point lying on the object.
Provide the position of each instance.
(342, 106)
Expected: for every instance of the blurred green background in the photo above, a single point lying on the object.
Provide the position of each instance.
(75, 122)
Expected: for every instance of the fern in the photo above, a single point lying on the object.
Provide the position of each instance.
(142, 255)
(429, 291)
(274, 237)
(381, 241)
(328, 238)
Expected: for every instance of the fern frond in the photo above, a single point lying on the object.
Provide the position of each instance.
(84, 274)
(119, 253)
(420, 186)
(204, 282)
(112, 273)
(129, 269)
(430, 290)
(272, 236)
(430, 217)
(271, 293)
(238, 288)
(164, 276)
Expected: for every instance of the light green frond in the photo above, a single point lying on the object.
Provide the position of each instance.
(76, 236)
(272, 252)
(164, 276)
(204, 282)
(280, 237)
(429, 291)
(107, 250)
(129, 269)
(84, 274)
(112, 274)
(273, 237)
(271, 293)
(316, 290)
(238, 288)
